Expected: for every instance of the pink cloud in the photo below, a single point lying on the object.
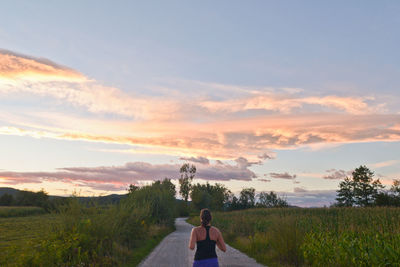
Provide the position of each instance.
(119, 177)
(334, 174)
(195, 128)
(251, 137)
(285, 103)
(14, 66)
(201, 160)
(282, 175)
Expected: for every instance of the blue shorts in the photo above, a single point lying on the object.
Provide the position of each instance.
(213, 262)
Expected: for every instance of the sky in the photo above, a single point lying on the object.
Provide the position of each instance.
(284, 96)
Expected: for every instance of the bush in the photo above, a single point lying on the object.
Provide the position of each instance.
(90, 235)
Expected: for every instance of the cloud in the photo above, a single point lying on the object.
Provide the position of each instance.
(201, 160)
(385, 164)
(299, 190)
(264, 180)
(334, 174)
(15, 66)
(41, 77)
(243, 126)
(216, 141)
(283, 103)
(244, 163)
(282, 175)
(269, 155)
(225, 172)
(116, 178)
(310, 198)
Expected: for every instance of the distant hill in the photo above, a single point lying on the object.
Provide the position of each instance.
(109, 199)
(8, 190)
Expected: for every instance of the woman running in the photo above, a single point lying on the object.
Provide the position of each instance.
(206, 237)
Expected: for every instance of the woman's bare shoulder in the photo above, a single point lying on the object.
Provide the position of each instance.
(216, 229)
(196, 228)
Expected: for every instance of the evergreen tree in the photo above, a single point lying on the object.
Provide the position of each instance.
(360, 190)
(345, 195)
(365, 187)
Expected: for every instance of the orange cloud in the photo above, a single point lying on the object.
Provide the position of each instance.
(23, 74)
(227, 139)
(188, 127)
(16, 66)
(286, 103)
(385, 163)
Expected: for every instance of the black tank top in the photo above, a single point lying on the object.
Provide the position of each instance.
(205, 248)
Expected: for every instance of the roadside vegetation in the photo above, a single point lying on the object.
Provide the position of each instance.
(92, 235)
(314, 236)
(362, 228)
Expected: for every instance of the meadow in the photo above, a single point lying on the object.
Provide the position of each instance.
(89, 234)
(315, 236)
(6, 211)
(19, 234)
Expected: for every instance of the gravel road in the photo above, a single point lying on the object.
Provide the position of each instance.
(173, 251)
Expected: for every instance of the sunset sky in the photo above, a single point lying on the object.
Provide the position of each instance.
(288, 96)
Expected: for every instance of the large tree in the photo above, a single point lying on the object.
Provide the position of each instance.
(210, 196)
(201, 197)
(391, 197)
(365, 187)
(247, 198)
(345, 195)
(187, 172)
(360, 190)
(270, 200)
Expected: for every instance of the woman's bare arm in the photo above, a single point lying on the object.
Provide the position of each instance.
(193, 239)
(220, 242)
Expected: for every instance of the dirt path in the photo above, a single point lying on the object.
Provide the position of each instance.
(173, 251)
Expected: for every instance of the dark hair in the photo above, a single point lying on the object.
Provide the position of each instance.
(205, 216)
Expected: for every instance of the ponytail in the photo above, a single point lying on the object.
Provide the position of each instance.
(205, 216)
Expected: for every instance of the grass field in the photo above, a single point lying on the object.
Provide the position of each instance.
(19, 235)
(20, 211)
(314, 237)
(89, 234)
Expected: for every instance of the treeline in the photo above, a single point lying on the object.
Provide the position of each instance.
(51, 203)
(29, 198)
(219, 198)
(362, 190)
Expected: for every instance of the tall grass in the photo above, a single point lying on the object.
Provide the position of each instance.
(20, 235)
(8, 211)
(315, 237)
(115, 235)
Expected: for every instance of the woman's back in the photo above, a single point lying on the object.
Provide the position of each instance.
(205, 246)
(201, 233)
